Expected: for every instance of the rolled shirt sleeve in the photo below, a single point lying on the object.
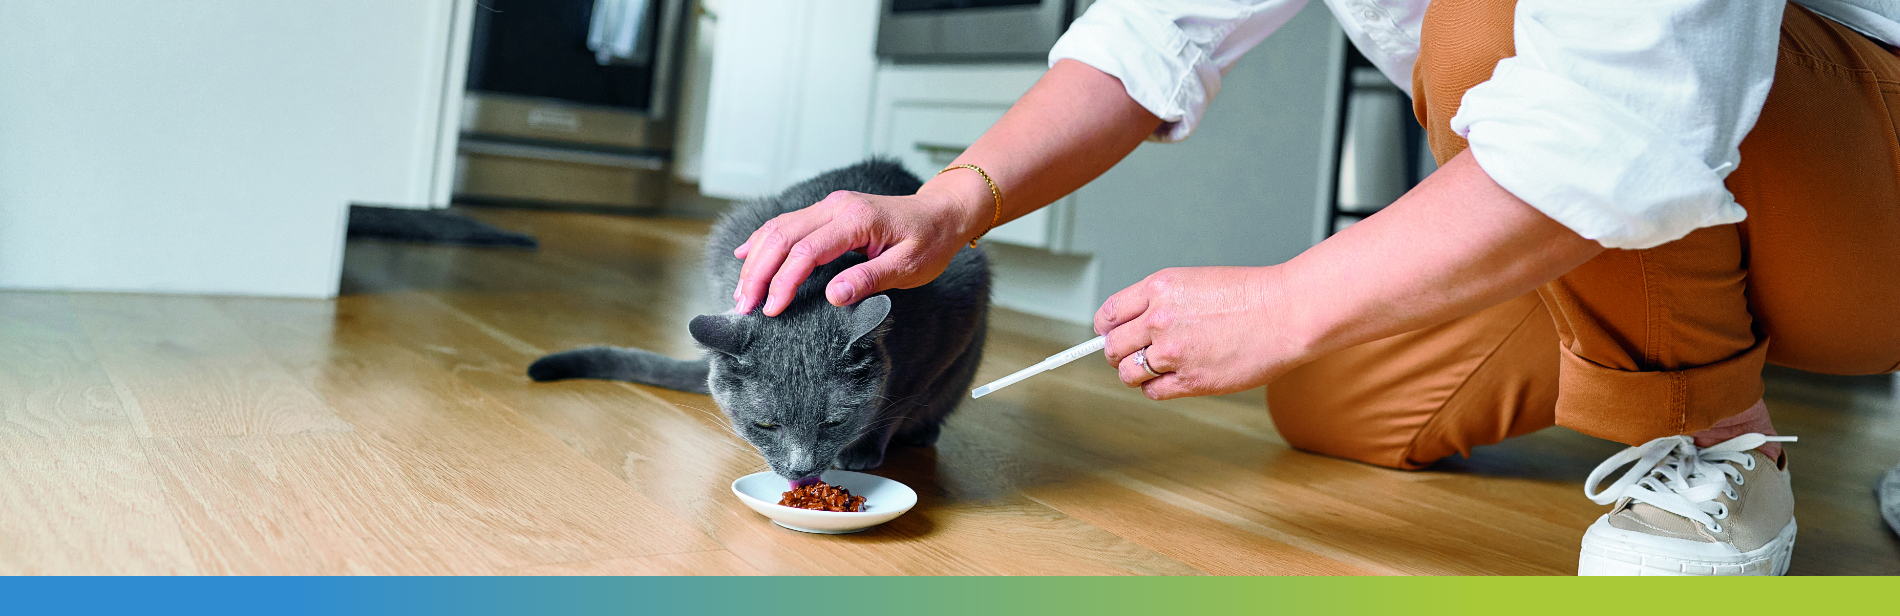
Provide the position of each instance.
(1620, 119)
(1171, 54)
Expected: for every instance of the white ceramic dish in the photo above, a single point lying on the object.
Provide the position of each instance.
(884, 500)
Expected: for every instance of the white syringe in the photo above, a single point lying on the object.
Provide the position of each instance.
(1074, 353)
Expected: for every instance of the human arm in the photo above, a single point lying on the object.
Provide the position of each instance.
(1166, 57)
(1074, 124)
(1452, 246)
(1616, 120)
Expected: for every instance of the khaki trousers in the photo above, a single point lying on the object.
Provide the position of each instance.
(1640, 344)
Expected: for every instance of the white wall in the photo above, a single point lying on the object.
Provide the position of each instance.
(790, 93)
(212, 146)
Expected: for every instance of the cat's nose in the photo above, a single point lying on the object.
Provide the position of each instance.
(799, 479)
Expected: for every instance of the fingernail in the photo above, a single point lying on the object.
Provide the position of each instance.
(842, 292)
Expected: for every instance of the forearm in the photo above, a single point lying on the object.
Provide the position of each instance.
(1070, 127)
(1456, 244)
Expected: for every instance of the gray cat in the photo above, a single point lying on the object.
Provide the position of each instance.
(820, 385)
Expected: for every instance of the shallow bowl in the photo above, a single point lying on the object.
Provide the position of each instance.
(884, 500)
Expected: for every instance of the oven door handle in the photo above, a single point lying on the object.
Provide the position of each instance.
(666, 58)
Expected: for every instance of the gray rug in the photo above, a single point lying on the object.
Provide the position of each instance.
(430, 227)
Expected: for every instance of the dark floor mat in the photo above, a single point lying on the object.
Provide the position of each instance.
(430, 227)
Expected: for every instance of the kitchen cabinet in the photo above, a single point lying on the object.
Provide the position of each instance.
(789, 93)
(925, 115)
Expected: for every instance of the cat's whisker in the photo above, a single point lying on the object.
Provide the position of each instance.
(884, 422)
(716, 417)
(744, 448)
(890, 402)
(878, 425)
(887, 420)
(723, 423)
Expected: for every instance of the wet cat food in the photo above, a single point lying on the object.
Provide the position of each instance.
(822, 496)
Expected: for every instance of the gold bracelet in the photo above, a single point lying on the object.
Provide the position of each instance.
(994, 193)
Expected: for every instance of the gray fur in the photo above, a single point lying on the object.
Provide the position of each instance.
(837, 385)
(620, 364)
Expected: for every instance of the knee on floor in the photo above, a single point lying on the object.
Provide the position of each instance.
(1317, 431)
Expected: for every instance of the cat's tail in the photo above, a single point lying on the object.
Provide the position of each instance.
(644, 367)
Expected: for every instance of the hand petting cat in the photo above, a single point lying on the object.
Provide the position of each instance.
(909, 240)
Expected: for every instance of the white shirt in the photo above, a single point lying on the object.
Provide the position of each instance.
(1619, 119)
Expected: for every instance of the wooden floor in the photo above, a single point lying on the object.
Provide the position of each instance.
(392, 431)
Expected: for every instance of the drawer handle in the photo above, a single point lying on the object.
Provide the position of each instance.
(644, 162)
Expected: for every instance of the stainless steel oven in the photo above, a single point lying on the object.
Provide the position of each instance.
(973, 30)
(560, 112)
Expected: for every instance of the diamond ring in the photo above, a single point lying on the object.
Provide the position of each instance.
(1141, 359)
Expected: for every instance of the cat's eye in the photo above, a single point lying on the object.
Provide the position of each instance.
(766, 425)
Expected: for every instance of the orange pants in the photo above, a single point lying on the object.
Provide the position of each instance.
(1640, 344)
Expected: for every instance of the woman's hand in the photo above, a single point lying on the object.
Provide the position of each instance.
(909, 240)
(1075, 123)
(1207, 331)
(1456, 244)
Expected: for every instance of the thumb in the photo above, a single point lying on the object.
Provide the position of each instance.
(867, 278)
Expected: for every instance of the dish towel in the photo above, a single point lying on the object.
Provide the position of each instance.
(616, 30)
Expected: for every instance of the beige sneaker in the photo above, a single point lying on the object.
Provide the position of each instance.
(1687, 510)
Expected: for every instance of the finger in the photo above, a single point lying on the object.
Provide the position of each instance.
(1160, 359)
(1131, 373)
(893, 269)
(770, 243)
(743, 249)
(1124, 340)
(1124, 306)
(823, 246)
(1168, 387)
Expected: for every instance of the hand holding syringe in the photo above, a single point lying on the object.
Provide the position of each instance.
(1074, 353)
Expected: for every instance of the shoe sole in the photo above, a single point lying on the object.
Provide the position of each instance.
(1604, 557)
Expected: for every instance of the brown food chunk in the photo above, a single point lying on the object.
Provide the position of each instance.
(822, 496)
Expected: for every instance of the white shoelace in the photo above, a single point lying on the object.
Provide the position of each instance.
(1674, 475)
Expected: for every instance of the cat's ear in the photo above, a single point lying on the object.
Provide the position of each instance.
(867, 315)
(719, 332)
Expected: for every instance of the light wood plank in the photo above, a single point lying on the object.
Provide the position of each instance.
(1190, 532)
(310, 504)
(184, 370)
(523, 497)
(77, 495)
